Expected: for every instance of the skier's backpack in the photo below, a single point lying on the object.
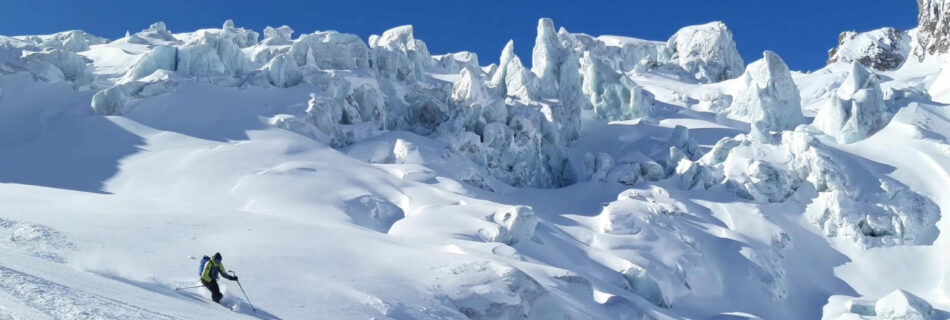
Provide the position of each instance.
(204, 261)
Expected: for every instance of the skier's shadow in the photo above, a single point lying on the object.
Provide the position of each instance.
(243, 306)
(190, 294)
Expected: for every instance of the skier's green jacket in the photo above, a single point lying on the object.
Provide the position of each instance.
(212, 269)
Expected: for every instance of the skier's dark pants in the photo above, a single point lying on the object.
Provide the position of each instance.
(215, 291)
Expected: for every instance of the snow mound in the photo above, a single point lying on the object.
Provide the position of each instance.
(37, 240)
(487, 290)
(374, 212)
(517, 224)
(902, 305)
(652, 218)
(62, 302)
(707, 52)
(897, 305)
(895, 216)
(645, 286)
(882, 49)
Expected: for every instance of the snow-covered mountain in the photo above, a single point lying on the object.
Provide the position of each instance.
(614, 178)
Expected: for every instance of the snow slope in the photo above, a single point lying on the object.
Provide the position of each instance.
(616, 178)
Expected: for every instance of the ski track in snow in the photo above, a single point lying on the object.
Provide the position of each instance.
(62, 302)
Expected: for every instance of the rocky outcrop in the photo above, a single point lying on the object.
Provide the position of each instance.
(882, 49)
(933, 34)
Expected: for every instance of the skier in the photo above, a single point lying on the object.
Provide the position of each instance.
(209, 276)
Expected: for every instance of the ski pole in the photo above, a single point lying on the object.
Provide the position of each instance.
(245, 293)
(176, 289)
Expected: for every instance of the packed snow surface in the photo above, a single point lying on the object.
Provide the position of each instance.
(350, 178)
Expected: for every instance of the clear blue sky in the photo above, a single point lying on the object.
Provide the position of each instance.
(800, 31)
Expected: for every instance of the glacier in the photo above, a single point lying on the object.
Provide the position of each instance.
(604, 177)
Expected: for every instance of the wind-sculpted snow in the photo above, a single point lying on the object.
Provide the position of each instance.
(903, 305)
(655, 218)
(491, 291)
(638, 215)
(36, 240)
(707, 52)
